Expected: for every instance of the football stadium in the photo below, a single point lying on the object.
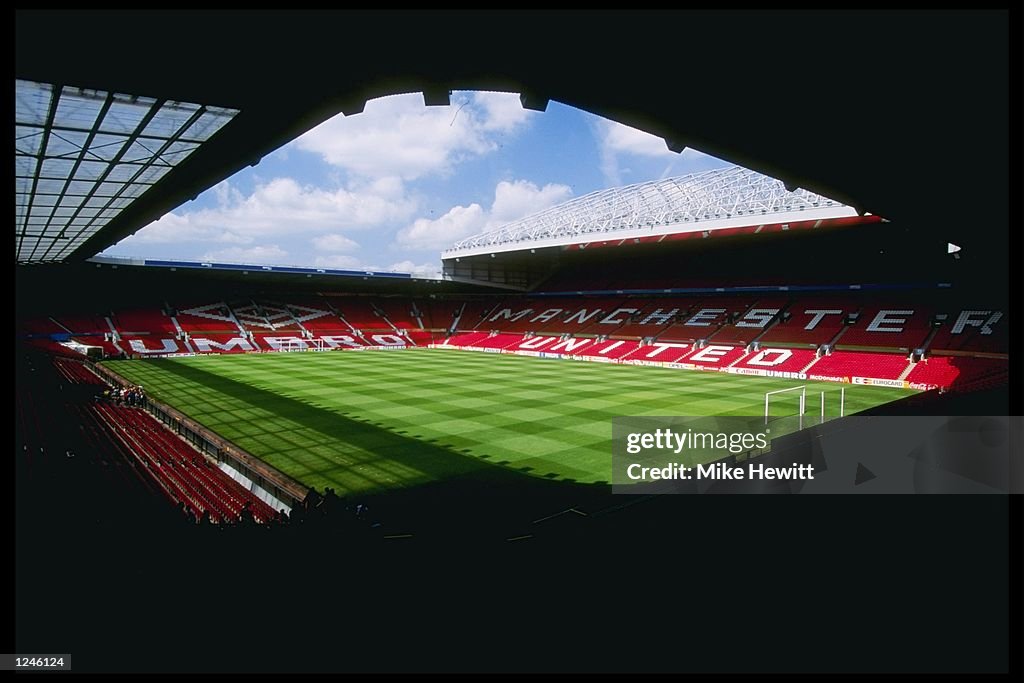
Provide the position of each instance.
(226, 449)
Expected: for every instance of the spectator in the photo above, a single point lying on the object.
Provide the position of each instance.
(245, 516)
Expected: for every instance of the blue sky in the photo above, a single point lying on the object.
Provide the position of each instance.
(389, 188)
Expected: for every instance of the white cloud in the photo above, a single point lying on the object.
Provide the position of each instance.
(459, 222)
(282, 207)
(267, 254)
(512, 200)
(521, 198)
(616, 139)
(341, 261)
(624, 139)
(334, 243)
(387, 187)
(408, 266)
(618, 142)
(502, 111)
(399, 136)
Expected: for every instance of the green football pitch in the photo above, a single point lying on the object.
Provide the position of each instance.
(371, 421)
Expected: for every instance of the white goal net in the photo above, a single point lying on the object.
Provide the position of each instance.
(802, 408)
(302, 345)
(785, 403)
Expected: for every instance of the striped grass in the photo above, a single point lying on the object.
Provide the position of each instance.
(362, 422)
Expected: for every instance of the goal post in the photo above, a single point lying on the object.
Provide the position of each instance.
(824, 398)
(315, 344)
(802, 405)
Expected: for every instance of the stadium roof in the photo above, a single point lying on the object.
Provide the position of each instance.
(81, 156)
(720, 198)
(873, 128)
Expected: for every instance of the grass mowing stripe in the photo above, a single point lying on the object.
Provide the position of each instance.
(361, 422)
